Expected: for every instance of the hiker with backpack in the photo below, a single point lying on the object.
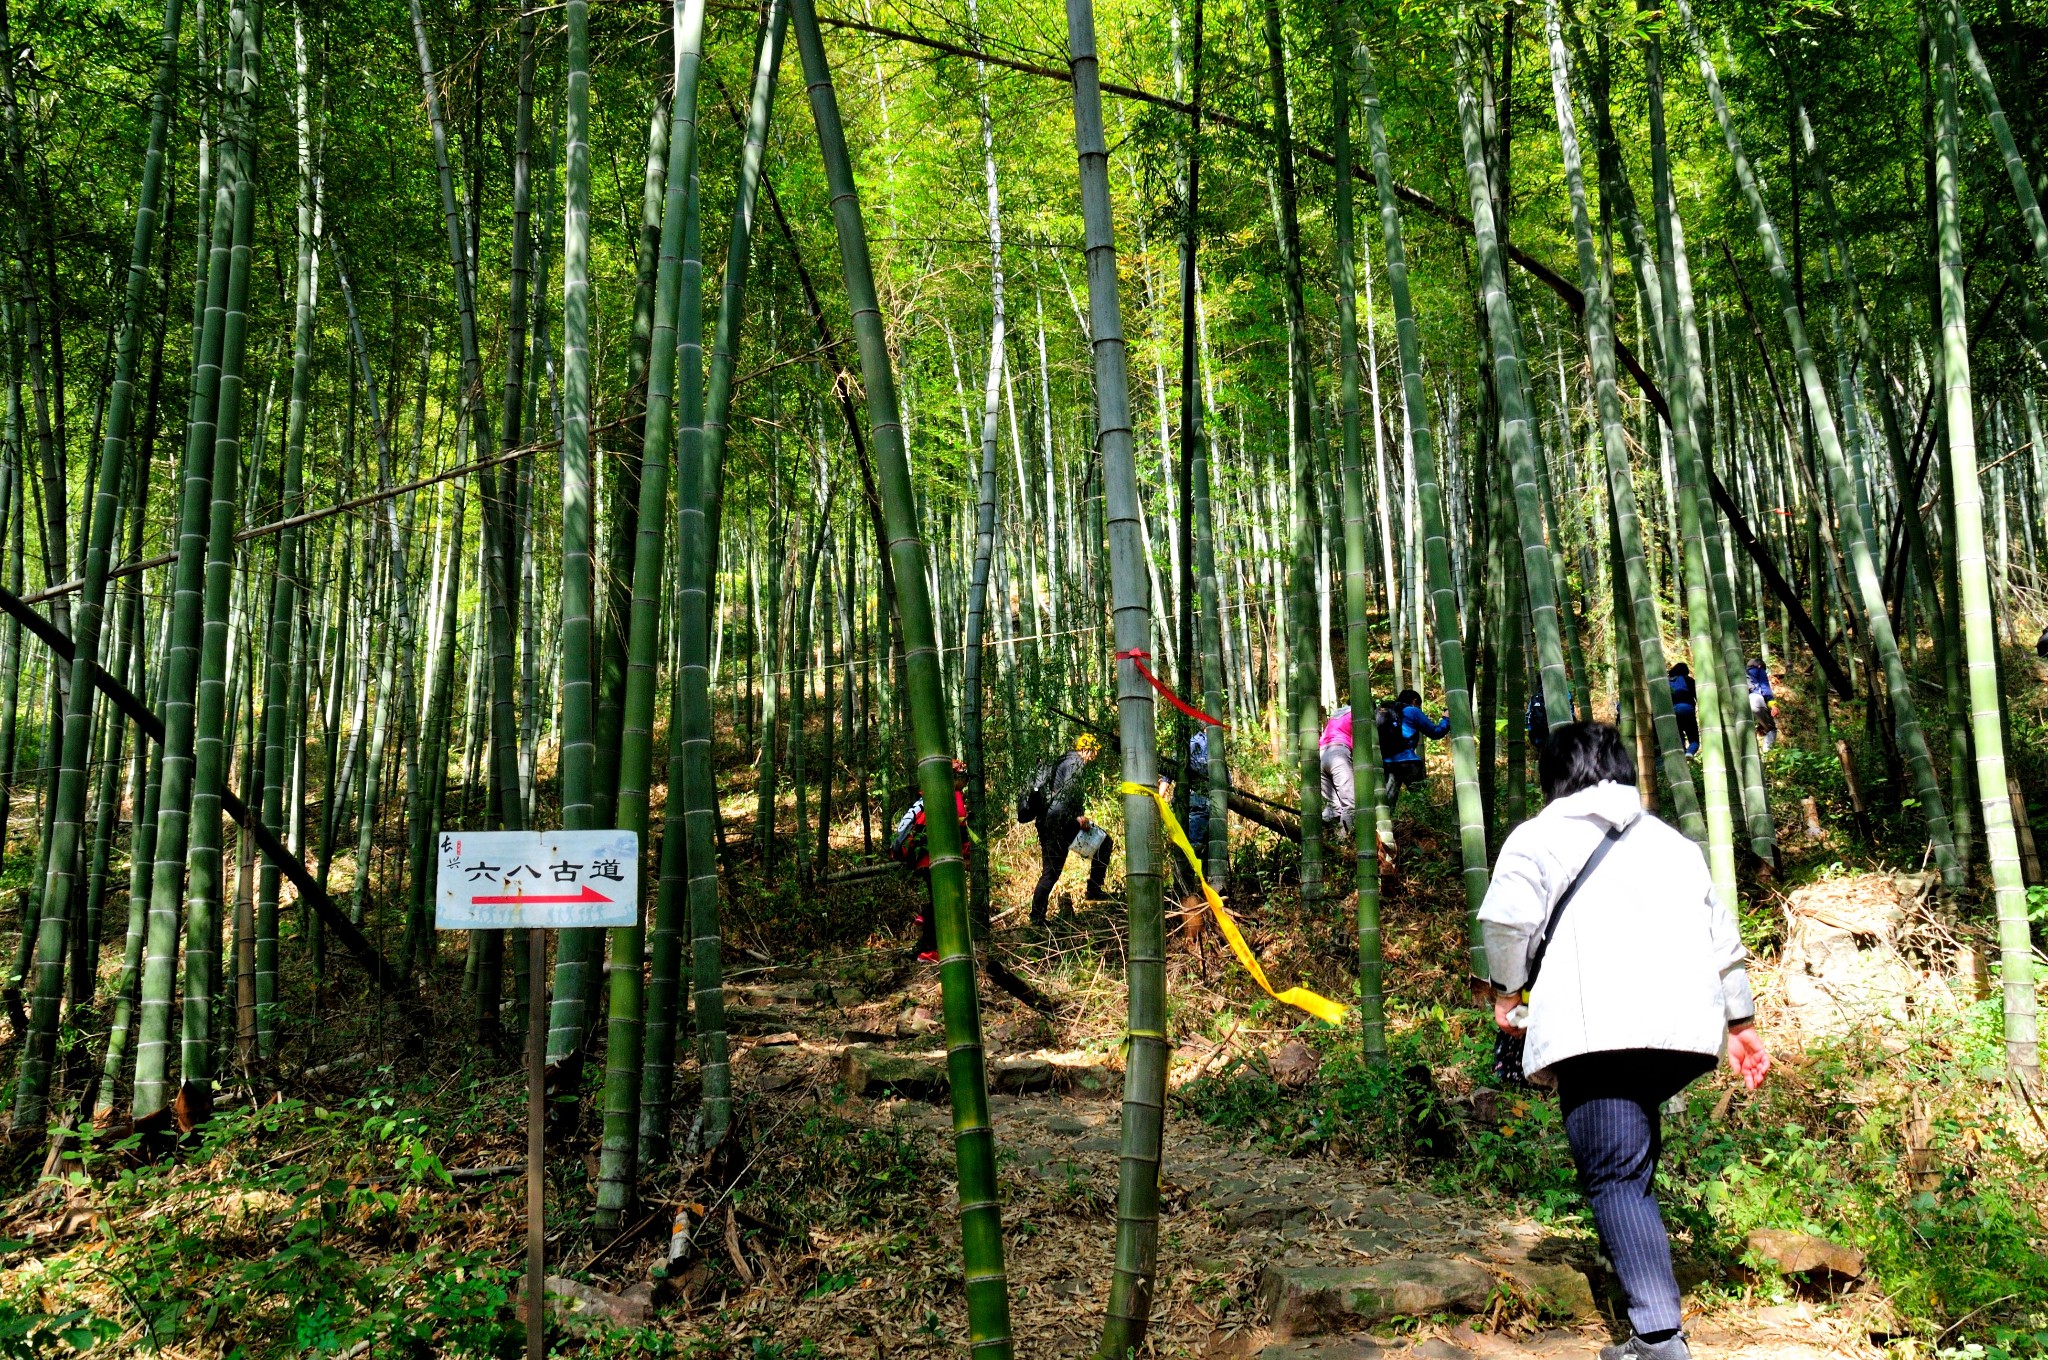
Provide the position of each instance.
(1761, 710)
(1685, 706)
(1618, 976)
(1401, 726)
(909, 847)
(1052, 798)
(1340, 777)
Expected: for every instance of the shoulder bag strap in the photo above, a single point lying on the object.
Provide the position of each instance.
(1607, 842)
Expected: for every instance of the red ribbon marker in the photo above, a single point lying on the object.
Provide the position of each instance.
(1135, 657)
(589, 894)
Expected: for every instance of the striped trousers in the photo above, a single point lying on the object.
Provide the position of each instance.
(1610, 1105)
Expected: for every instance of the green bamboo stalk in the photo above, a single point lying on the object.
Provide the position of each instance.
(175, 808)
(1635, 594)
(1709, 673)
(1517, 430)
(664, 984)
(1436, 540)
(1215, 689)
(623, 497)
(210, 748)
(144, 782)
(1987, 725)
(1357, 628)
(1304, 704)
(39, 1048)
(2001, 129)
(1905, 713)
(503, 541)
(1137, 1244)
(567, 1016)
(984, 526)
(974, 1140)
(617, 1167)
(703, 454)
(279, 683)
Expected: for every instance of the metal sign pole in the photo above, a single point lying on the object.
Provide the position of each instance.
(536, 1127)
(534, 881)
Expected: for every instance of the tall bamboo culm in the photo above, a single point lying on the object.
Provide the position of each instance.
(575, 950)
(1634, 593)
(1980, 639)
(985, 1282)
(1862, 568)
(1372, 1027)
(1436, 539)
(1517, 427)
(1137, 1231)
(699, 499)
(617, 1164)
(39, 1048)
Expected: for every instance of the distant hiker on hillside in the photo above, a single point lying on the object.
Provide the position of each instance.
(908, 847)
(1761, 709)
(1618, 976)
(1401, 726)
(1052, 798)
(1340, 777)
(1685, 706)
(1538, 722)
(1197, 827)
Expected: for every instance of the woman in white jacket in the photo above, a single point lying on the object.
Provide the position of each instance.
(1642, 987)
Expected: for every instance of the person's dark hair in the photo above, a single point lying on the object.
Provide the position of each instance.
(1407, 698)
(1757, 662)
(1580, 755)
(1680, 669)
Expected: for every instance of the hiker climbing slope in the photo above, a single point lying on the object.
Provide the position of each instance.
(909, 847)
(1052, 798)
(1402, 725)
(1340, 783)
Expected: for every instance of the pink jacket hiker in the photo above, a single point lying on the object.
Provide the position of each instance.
(1337, 731)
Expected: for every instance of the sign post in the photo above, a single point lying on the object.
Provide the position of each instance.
(536, 881)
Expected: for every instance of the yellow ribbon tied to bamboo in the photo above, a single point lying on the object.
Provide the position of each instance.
(1321, 1007)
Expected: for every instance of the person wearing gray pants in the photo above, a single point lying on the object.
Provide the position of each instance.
(1340, 780)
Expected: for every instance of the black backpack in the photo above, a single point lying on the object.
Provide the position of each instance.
(1033, 800)
(1386, 721)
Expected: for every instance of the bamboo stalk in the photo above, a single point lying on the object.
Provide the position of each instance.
(985, 1283)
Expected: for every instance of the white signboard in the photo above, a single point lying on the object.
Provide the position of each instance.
(521, 880)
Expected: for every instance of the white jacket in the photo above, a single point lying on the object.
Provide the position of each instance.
(1644, 955)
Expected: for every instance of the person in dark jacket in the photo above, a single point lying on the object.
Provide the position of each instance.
(1538, 722)
(919, 850)
(1402, 726)
(1060, 820)
(1685, 706)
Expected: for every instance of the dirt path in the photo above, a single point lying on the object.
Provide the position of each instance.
(1261, 1256)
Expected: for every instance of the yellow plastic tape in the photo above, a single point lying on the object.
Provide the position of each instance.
(1321, 1007)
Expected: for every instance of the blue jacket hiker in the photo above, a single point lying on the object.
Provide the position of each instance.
(1402, 725)
(1685, 706)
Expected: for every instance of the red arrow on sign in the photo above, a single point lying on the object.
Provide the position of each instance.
(589, 894)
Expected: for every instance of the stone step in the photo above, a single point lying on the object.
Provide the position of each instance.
(1312, 1301)
(875, 1072)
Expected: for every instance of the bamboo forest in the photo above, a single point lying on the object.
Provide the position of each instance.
(1115, 573)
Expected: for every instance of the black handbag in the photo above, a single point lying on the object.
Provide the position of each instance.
(1508, 1048)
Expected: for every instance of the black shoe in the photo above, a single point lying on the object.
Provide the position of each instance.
(1098, 895)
